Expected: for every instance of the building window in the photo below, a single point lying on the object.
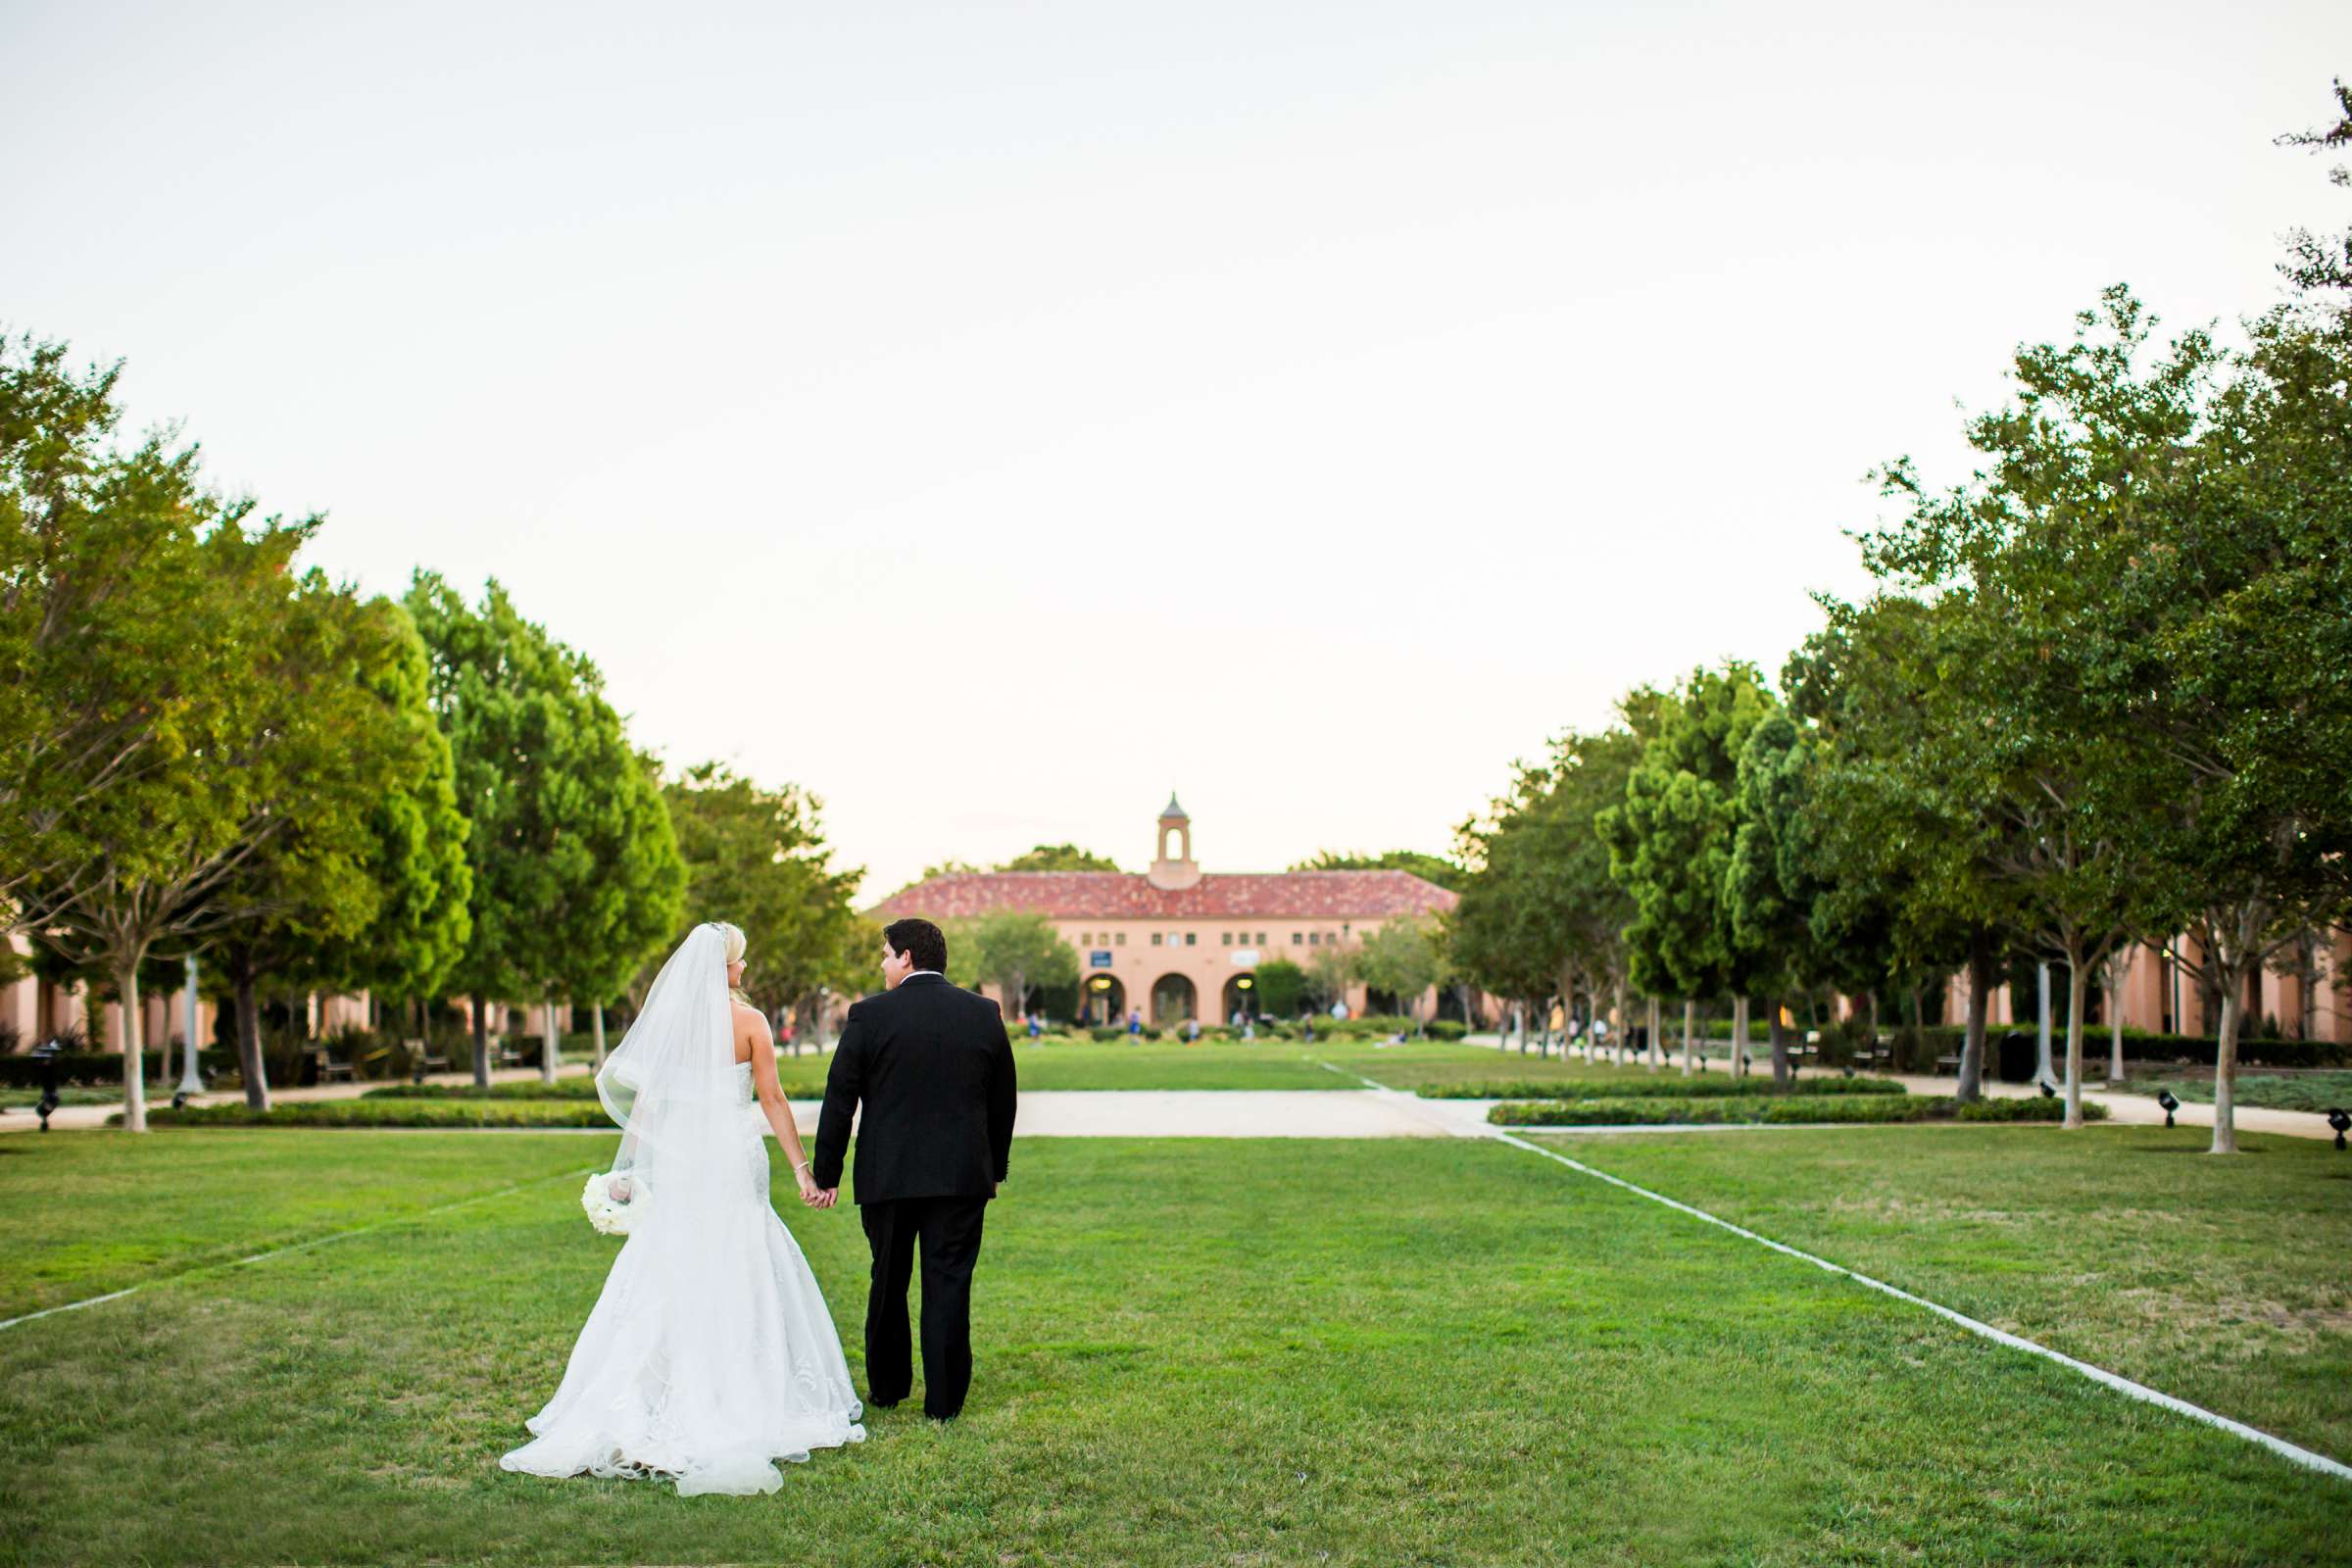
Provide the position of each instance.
(1296, 939)
(1314, 939)
(1156, 939)
(1262, 939)
(1120, 940)
(1228, 935)
(1188, 938)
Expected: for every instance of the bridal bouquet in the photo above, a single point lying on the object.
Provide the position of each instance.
(613, 1200)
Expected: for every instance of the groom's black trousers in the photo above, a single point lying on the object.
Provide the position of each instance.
(948, 1229)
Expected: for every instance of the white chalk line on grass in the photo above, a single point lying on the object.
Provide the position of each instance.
(2292, 1453)
(294, 1247)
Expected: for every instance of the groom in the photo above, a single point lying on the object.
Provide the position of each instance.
(932, 1066)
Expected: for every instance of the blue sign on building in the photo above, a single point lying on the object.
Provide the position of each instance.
(1099, 959)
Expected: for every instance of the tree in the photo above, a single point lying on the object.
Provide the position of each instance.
(1280, 985)
(1429, 867)
(1770, 886)
(576, 872)
(758, 857)
(366, 884)
(1058, 857)
(1330, 971)
(2323, 262)
(75, 566)
(2236, 669)
(949, 868)
(1542, 914)
(1401, 958)
(247, 714)
(1016, 950)
(1670, 842)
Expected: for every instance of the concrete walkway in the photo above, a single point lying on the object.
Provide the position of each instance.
(1338, 1112)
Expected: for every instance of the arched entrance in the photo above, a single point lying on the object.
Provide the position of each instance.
(1171, 999)
(1106, 1002)
(1241, 996)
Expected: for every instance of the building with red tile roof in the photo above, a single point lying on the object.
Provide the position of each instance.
(1174, 942)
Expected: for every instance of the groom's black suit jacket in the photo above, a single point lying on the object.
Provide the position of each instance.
(932, 1065)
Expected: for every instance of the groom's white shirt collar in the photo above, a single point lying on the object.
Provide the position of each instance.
(916, 974)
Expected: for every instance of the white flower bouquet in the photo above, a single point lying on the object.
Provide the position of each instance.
(614, 1200)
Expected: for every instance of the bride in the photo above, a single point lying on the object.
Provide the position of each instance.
(710, 1355)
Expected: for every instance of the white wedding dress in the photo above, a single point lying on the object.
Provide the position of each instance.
(710, 1354)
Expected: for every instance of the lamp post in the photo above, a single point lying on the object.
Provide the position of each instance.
(2165, 1099)
(191, 1078)
(2341, 1120)
(2041, 1035)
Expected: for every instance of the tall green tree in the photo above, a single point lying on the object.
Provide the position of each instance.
(365, 886)
(2317, 262)
(1014, 951)
(1403, 958)
(1771, 884)
(2236, 670)
(1280, 985)
(1429, 867)
(1059, 857)
(757, 857)
(576, 873)
(1669, 843)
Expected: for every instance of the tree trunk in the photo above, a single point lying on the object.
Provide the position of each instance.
(1777, 1033)
(1653, 1054)
(1980, 999)
(2307, 976)
(1690, 1036)
(481, 1043)
(250, 1061)
(2115, 1015)
(2078, 990)
(2225, 1066)
(551, 1050)
(596, 1018)
(134, 1047)
(1738, 1037)
(1617, 1028)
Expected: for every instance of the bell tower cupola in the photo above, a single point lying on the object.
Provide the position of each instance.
(1176, 871)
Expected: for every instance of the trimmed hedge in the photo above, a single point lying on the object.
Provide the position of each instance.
(103, 1069)
(472, 1112)
(1718, 1087)
(577, 1087)
(1944, 1040)
(1765, 1109)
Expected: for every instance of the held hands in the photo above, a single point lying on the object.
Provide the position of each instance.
(820, 1198)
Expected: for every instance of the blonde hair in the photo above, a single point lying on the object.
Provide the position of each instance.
(735, 942)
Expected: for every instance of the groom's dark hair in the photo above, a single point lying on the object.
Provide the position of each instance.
(918, 940)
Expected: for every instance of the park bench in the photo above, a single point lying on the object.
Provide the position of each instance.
(422, 1058)
(508, 1055)
(332, 1067)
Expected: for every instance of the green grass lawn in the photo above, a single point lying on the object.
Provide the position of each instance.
(1190, 1352)
(2224, 1281)
(2301, 1090)
(1211, 1064)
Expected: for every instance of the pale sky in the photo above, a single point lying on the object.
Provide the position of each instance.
(992, 417)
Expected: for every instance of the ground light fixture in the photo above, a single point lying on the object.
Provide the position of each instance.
(2339, 1119)
(2048, 1093)
(2164, 1098)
